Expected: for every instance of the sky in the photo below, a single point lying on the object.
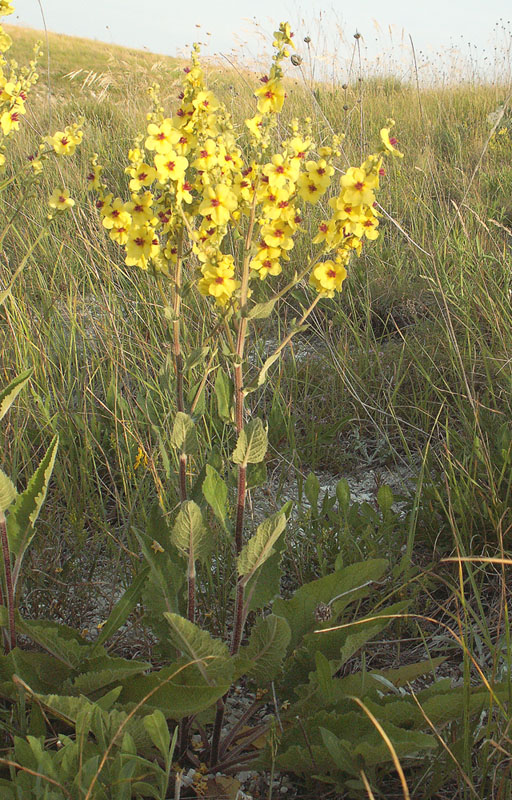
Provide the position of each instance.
(438, 28)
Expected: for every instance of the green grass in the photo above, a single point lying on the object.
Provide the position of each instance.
(411, 365)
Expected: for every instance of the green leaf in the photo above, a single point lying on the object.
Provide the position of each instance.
(312, 490)
(189, 533)
(324, 676)
(177, 695)
(299, 610)
(252, 443)
(267, 647)
(8, 492)
(223, 389)
(20, 523)
(260, 546)
(123, 608)
(262, 374)
(184, 436)
(262, 310)
(385, 499)
(197, 356)
(215, 492)
(156, 726)
(343, 494)
(265, 584)
(56, 639)
(195, 643)
(98, 673)
(12, 390)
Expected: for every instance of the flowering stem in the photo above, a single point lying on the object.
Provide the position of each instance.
(8, 583)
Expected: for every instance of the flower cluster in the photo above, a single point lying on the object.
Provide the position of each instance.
(15, 83)
(190, 182)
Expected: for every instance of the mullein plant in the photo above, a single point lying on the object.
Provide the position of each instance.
(15, 85)
(18, 512)
(196, 186)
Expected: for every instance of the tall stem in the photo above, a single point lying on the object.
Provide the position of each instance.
(242, 471)
(11, 643)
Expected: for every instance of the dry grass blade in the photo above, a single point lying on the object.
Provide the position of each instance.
(435, 622)
(389, 745)
(443, 744)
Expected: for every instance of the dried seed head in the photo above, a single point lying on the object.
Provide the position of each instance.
(296, 60)
(323, 612)
(307, 39)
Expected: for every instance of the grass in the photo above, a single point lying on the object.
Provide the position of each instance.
(410, 366)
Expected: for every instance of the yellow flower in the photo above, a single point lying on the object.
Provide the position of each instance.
(10, 121)
(389, 143)
(281, 172)
(115, 214)
(328, 277)
(64, 142)
(170, 166)
(218, 203)
(310, 188)
(270, 96)
(264, 265)
(141, 246)
(358, 187)
(60, 200)
(370, 224)
(6, 8)
(255, 125)
(162, 137)
(5, 41)
(207, 157)
(155, 546)
(140, 208)
(218, 281)
(142, 175)
(278, 234)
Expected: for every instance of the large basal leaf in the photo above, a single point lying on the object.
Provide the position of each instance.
(20, 523)
(177, 695)
(56, 639)
(352, 580)
(189, 533)
(252, 443)
(184, 436)
(260, 546)
(196, 644)
(8, 492)
(267, 648)
(98, 673)
(41, 671)
(9, 394)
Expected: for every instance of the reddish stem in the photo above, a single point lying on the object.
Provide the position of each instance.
(11, 643)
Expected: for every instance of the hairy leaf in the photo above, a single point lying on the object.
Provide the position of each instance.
(267, 648)
(20, 524)
(196, 644)
(189, 533)
(260, 546)
(215, 492)
(12, 390)
(184, 436)
(8, 492)
(252, 443)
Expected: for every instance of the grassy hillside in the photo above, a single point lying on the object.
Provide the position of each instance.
(405, 378)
